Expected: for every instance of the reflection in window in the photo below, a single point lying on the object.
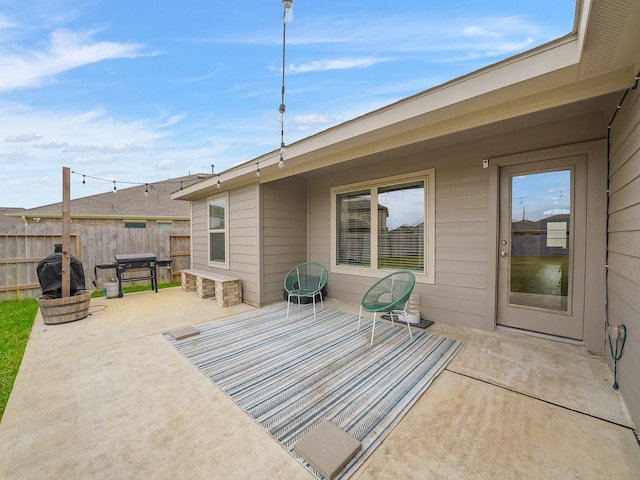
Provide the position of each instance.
(382, 227)
(217, 230)
(401, 226)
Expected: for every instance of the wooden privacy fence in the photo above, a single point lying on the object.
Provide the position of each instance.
(22, 247)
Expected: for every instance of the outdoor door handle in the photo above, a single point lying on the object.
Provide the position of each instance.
(503, 254)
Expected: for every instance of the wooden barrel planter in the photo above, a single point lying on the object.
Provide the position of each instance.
(64, 310)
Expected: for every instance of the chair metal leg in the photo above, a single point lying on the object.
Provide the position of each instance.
(314, 307)
(359, 317)
(288, 303)
(373, 329)
(406, 316)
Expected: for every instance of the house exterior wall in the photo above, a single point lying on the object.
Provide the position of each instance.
(284, 242)
(461, 275)
(244, 228)
(624, 244)
(465, 220)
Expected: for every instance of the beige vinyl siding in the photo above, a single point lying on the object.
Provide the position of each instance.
(199, 234)
(624, 244)
(461, 247)
(244, 230)
(465, 283)
(284, 243)
(459, 293)
(243, 240)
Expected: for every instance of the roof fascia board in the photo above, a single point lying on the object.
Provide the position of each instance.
(470, 114)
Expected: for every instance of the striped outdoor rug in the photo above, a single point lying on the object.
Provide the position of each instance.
(292, 373)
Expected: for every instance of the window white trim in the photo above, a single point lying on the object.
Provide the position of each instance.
(212, 263)
(428, 176)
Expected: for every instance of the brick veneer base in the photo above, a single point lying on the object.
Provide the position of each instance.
(226, 292)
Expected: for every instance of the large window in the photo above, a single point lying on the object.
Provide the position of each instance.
(218, 230)
(385, 225)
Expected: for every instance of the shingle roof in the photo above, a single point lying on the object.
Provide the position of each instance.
(128, 202)
(6, 220)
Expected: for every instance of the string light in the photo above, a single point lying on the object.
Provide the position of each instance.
(218, 184)
(258, 169)
(287, 17)
(147, 185)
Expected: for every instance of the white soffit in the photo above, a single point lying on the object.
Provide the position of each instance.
(612, 37)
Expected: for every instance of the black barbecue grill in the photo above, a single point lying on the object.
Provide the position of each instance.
(136, 262)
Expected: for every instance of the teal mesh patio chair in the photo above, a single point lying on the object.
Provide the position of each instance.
(390, 295)
(306, 281)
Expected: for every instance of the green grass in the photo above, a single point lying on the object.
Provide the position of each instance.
(16, 320)
(405, 262)
(139, 288)
(528, 274)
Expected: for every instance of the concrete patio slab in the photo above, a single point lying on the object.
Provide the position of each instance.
(107, 397)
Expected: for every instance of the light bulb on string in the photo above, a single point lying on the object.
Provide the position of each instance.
(288, 11)
(257, 169)
(115, 190)
(287, 18)
(218, 184)
(146, 189)
(84, 181)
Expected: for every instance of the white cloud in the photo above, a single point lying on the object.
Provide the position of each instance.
(94, 160)
(14, 156)
(170, 164)
(404, 33)
(23, 138)
(51, 145)
(337, 64)
(5, 23)
(312, 121)
(66, 50)
(172, 120)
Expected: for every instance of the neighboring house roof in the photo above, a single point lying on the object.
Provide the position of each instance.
(562, 78)
(130, 203)
(6, 220)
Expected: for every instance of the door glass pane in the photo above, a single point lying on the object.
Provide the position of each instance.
(540, 240)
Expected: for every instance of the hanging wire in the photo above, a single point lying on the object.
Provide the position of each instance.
(618, 333)
(287, 4)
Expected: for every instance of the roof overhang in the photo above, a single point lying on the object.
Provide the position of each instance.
(599, 57)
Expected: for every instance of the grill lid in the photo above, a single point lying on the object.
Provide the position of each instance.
(135, 258)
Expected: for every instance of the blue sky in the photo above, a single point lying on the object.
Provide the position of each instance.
(144, 91)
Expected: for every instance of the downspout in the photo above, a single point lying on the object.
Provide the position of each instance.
(616, 334)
